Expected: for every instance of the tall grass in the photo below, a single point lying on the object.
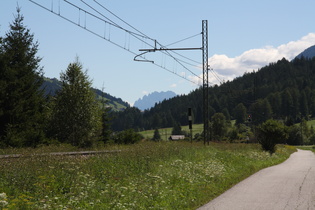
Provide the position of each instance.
(168, 175)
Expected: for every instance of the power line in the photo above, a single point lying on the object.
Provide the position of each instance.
(141, 37)
(176, 59)
(183, 40)
(215, 74)
(122, 20)
(111, 22)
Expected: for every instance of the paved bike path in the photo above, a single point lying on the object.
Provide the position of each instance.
(289, 185)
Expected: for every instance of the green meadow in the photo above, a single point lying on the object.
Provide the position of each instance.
(166, 132)
(148, 175)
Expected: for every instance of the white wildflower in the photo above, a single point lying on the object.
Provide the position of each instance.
(3, 196)
(3, 200)
(3, 203)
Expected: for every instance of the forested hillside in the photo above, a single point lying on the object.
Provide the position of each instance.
(51, 86)
(282, 90)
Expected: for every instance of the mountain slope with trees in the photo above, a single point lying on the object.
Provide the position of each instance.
(282, 90)
(51, 86)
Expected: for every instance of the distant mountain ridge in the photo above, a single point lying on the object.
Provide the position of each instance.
(51, 86)
(148, 101)
(308, 53)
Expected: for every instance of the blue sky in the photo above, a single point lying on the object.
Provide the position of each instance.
(244, 35)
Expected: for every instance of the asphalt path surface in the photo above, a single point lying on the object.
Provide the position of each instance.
(289, 185)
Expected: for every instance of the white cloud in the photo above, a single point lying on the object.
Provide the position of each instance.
(173, 85)
(130, 103)
(228, 68)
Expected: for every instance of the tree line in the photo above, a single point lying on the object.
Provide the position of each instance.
(276, 100)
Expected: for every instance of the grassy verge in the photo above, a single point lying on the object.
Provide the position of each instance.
(165, 175)
(166, 132)
(308, 147)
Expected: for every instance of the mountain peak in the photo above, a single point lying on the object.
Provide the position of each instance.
(148, 101)
(308, 53)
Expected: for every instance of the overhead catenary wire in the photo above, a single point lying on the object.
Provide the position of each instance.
(176, 59)
(183, 40)
(110, 22)
(215, 74)
(116, 25)
(152, 38)
(122, 20)
(182, 64)
(137, 34)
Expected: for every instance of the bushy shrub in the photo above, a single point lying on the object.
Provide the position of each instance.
(127, 137)
(271, 133)
(198, 137)
(233, 134)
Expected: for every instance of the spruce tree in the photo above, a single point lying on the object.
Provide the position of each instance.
(240, 112)
(76, 117)
(106, 118)
(219, 126)
(22, 101)
(177, 129)
(156, 136)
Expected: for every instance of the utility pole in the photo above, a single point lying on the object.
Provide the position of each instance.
(205, 87)
(205, 69)
(190, 124)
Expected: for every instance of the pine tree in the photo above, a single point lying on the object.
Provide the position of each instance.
(76, 117)
(287, 103)
(261, 111)
(219, 126)
(156, 136)
(106, 131)
(304, 106)
(22, 101)
(240, 113)
(177, 129)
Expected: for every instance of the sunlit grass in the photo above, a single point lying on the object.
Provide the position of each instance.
(311, 123)
(166, 132)
(307, 147)
(168, 175)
